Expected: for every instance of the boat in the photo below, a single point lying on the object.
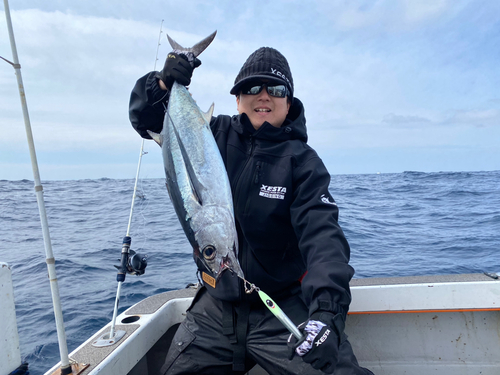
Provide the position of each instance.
(448, 324)
(440, 324)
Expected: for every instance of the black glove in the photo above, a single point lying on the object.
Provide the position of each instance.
(321, 341)
(178, 68)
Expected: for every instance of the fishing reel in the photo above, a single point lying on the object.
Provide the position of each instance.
(137, 263)
(131, 263)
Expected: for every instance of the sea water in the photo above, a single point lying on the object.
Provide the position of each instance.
(401, 224)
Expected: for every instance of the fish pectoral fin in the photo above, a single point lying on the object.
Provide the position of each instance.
(194, 183)
(194, 190)
(158, 138)
(208, 114)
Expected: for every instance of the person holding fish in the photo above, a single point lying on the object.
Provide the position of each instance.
(276, 228)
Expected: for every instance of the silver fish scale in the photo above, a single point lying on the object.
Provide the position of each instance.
(197, 180)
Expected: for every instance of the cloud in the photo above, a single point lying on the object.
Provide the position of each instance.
(424, 10)
(391, 118)
(478, 118)
(383, 15)
(78, 72)
(370, 73)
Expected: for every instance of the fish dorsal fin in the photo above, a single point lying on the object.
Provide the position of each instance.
(208, 114)
(197, 49)
(158, 138)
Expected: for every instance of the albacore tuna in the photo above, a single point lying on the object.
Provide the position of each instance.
(197, 181)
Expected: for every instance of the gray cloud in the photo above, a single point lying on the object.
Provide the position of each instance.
(392, 118)
(478, 118)
(357, 67)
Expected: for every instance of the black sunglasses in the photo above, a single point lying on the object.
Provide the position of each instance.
(278, 91)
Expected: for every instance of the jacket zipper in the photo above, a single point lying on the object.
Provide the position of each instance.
(257, 172)
(249, 156)
(244, 260)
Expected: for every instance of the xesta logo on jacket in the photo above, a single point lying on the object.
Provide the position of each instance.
(273, 192)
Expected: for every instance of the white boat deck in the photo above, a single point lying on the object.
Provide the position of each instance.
(466, 292)
(458, 278)
(447, 324)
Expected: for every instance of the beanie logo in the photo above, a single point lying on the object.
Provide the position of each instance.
(281, 75)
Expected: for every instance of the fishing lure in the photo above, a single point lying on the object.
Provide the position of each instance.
(274, 308)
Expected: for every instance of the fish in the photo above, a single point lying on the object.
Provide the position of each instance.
(196, 177)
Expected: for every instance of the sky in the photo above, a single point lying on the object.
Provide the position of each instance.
(388, 86)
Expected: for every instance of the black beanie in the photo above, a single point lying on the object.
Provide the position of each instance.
(267, 63)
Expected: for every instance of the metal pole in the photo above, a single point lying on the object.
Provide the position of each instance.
(61, 334)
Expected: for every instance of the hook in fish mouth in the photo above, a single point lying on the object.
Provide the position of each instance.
(225, 264)
(209, 253)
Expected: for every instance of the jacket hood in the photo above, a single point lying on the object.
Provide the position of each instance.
(294, 126)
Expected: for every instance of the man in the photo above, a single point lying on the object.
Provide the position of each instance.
(290, 243)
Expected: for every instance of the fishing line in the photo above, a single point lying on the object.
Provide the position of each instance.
(143, 207)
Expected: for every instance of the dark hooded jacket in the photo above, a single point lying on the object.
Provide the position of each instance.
(286, 219)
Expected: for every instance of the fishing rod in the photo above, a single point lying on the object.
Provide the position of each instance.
(49, 255)
(131, 262)
(137, 263)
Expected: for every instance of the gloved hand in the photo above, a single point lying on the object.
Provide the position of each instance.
(178, 68)
(320, 344)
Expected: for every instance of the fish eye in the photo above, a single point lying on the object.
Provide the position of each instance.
(209, 252)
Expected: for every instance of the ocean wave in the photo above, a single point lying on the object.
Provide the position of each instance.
(398, 224)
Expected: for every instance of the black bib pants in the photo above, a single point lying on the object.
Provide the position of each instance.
(210, 340)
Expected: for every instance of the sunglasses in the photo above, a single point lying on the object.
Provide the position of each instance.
(278, 91)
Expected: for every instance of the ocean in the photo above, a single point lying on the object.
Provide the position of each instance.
(402, 224)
